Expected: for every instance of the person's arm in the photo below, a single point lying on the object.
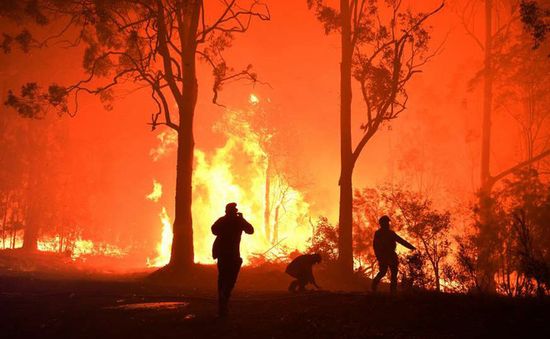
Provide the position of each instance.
(312, 278)
(247, 227)
(376, 245)
(216, 228)
(404, 242)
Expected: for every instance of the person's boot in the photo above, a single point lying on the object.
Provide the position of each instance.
(393, 286)
(374, 286)
(222, 309)
(223, 300)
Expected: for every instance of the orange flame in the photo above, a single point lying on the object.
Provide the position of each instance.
(164, 247)
(157, 192)
(77, 248)
(237, 172)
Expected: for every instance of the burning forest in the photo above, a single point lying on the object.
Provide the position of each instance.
(274, 168)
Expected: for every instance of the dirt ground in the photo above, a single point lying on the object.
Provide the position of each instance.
(105, 306)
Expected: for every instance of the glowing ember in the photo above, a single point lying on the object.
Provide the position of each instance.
(169, 305)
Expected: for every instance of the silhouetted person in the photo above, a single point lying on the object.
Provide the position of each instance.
(385, 241)
(228, 230)
(301, 269)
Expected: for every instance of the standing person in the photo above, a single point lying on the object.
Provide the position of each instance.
(228, 230)
(385, 241)
(301, 269)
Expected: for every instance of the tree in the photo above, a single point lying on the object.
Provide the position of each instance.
(521, 208)
(428, 226)
(147, 44)
(501, 45)
(275, 146)
(535, 21)
(274, 141)
(324, 240)
(369, 204)
(13, 135)
(413, 214)
(382, 53)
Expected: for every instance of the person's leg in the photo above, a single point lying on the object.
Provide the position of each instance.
(222, 287)
(293, 286)
(394, 270)
(233, 274)
(383, 267)
(302, 284)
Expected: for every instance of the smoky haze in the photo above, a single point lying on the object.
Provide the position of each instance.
(105, 167)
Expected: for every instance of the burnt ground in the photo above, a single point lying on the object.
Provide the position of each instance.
(84, 305)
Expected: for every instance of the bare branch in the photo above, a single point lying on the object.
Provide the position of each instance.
(519, 166)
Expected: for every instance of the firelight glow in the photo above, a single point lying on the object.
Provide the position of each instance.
(253, 99)
(237, 171)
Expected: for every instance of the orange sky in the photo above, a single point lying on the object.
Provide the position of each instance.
(438, 135)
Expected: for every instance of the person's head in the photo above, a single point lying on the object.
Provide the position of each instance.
(317, 258)
(384, 222)
(231, 208)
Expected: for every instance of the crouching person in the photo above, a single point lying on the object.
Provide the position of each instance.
(301, 269)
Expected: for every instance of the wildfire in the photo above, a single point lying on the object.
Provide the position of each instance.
(77, 249)
(157, 192)
(168, 140)
(80, 248)
(238, 171)
(164, 247)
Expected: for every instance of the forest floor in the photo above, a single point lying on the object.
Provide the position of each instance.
(82, 305)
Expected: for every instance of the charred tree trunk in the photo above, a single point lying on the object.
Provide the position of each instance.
(61, 239)
(437, 282)
(487, 96)
(13, 237)
(5, 220)
(30, 235)
(182, 255)
(182, 244)
(486, 228)
(267, 209)
(30, 238)
(345, 246)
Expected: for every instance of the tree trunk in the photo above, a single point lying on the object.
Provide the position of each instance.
(61, 238)
(5, 220)
(267, 211)
(30, 235)
(276, 225)
(30, 239)
(486, 230)
(13, 237)
(182, 256)
(345, 236)
(437, 283)
(182, 244)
